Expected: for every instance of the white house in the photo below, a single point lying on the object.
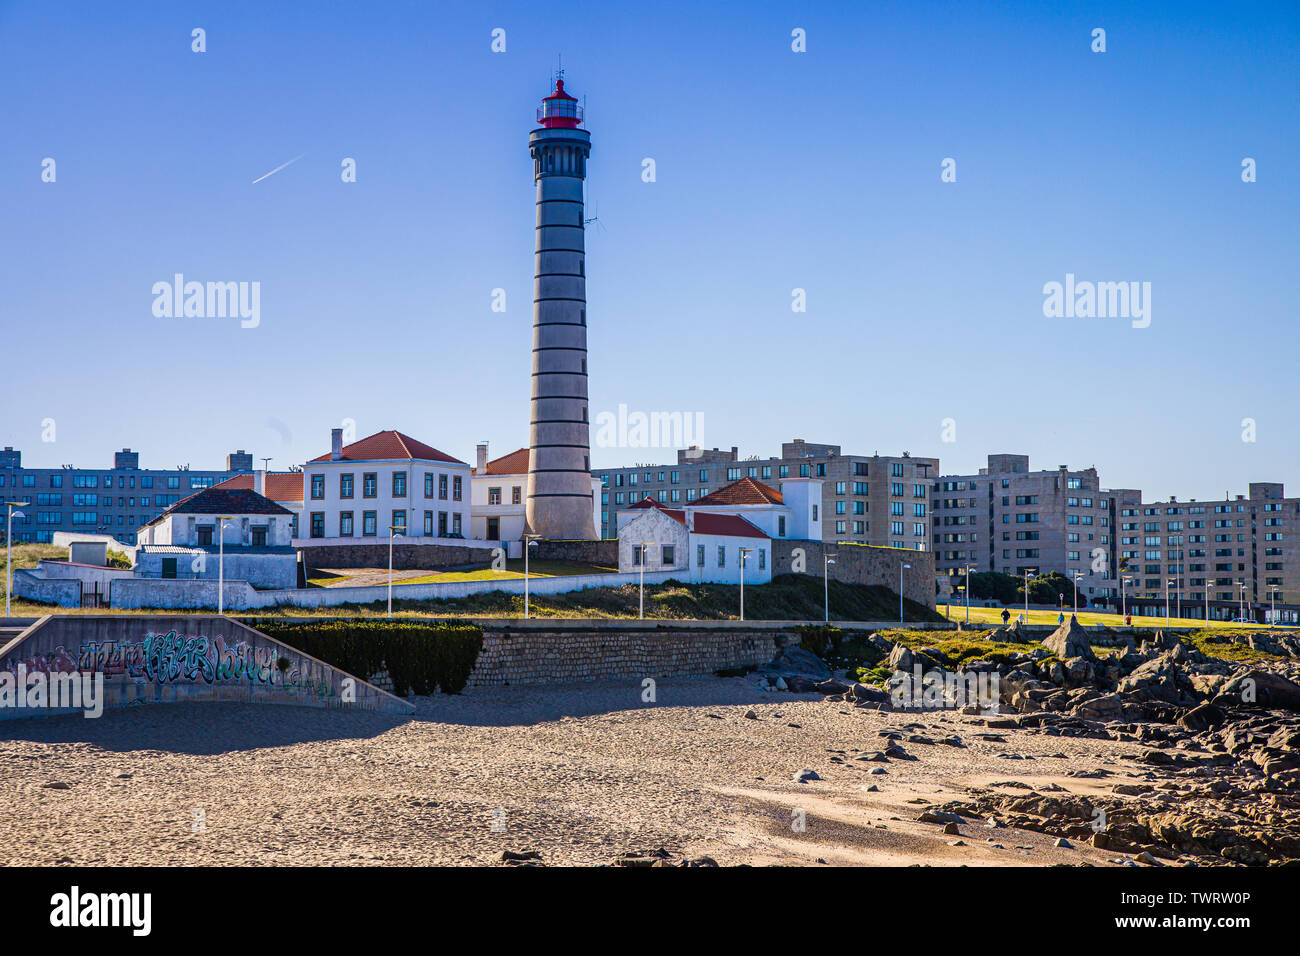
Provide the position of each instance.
(497, 500)
(793, 513)
(706, 547)
(247, 533)
(354, 494)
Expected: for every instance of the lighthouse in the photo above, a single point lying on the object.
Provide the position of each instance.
(559, 505)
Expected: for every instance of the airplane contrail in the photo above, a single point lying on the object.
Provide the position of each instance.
(278, 168)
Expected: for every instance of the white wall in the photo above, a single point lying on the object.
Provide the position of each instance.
(710, 573)
(414, 502)
(652, 525)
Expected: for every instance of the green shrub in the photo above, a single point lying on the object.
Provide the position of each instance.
(419, 656)
(819, 637)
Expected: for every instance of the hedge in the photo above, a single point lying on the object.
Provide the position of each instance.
(418, 656)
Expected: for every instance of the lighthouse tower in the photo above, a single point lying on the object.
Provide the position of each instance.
(559, 504)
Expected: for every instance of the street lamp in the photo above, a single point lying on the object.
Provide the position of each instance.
(1076, 576)
(1028, 571)
(827, 561)
(530, 541)
(905, 567)
(393, 532)
(969, 569)
(1272, 604)
(1123, 596)
(1207, 602)
(221, 562)
(644, 555)
(9, 549)
(744, 553)
(1168, 581)
(1241, 601)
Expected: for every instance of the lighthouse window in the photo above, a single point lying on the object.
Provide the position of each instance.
(581, 267)
(582, 316)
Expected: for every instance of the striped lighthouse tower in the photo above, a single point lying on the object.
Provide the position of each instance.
(559, 502)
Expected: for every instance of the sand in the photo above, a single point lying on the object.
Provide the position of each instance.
(583, 774)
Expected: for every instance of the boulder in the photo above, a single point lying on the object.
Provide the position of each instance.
(797, 662)
(1103, 707)
(1266, 688)
(1070, 640)
(833, 685)
(1204, 717)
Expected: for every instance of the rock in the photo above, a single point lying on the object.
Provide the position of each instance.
(513, 856)
(1105, 707)
(940, 816)
(797, 662)
(1063, 843)
(951, 829)
(1146, 857)
(1266, 688)
(804, 775)
(1205, 717)
(800, 685)
(1070, 640)
(901, 658)
(864, 692)
(751, 715)
(832, 686)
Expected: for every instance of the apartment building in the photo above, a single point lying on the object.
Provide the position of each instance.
(1010, 519)
(115, 501)
(1234, 552)
(866, 499)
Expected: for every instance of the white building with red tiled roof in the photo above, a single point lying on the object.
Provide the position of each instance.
(498, 501)
(282, 487)
(355, 493)
(704, 546)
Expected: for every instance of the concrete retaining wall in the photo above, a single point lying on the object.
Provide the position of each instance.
(599, 650)
(601, 552)
(65, 592)
(166, 659)
(862, 564)
(406, 557)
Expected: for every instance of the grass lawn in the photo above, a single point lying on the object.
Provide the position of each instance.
(993, 615)
(513, 569)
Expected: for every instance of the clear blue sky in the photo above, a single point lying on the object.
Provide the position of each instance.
(775, 170)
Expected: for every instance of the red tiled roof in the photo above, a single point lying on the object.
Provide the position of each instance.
(747, 491)
(706, 522)
(515, 463)
(392, 445)
(279, 486)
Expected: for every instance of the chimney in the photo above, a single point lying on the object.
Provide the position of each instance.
(336, 444)
(482, 459)
(259, 481)
(690, 519)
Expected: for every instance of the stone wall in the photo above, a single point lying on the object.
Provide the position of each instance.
(862, 564)
(600, 650)
(406, 557)
(153, 659)
(65, 592)
(601, 552)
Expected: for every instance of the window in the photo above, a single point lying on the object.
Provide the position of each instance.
(516, 495)
(399, 484)
(722, 556)
(428, 484)
(369, 485)
(318, 486)
(637, 551)
(56, 481)
(368, 524)
(146, 481)
(455, 521)
(259, 536)
(780, 526)
(317, 524)
(699, 555)
(345, 524)
(762, 558)
(205, 535)
(442, 487)
(494, 496)
(428, 524)
(455, 488)
(667, 556)
(345, 486)
(399, 521)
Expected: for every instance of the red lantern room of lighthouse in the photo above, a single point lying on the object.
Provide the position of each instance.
(559, 110)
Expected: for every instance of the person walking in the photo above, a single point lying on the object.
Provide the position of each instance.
(1006, 616)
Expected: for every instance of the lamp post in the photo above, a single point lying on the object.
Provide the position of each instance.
(1168, 581)
(221, 562)
(744, 553)
(905, 567)
(1076, 575)
(827, 561)
(9, 550)
(1241, 601)
(1207, 602)
(1028, 571)
(1123, 596)
(969, 569)
(645, 554)
(1272, 604)
(530, 541)
(393, 532)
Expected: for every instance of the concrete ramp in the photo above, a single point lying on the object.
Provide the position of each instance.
(163, 659)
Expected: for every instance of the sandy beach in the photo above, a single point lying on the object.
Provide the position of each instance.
(582, 774)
